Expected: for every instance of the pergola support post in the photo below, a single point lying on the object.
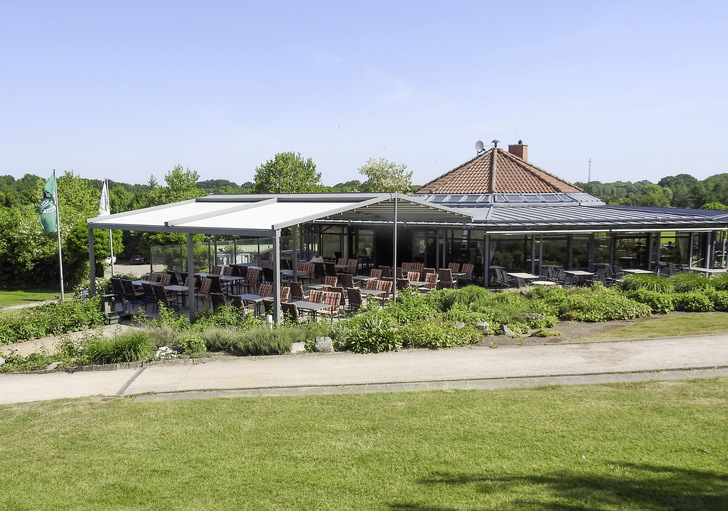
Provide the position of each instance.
(191, 299)
(91, 264)
(486, 261)
(277, 276)
(394, 254)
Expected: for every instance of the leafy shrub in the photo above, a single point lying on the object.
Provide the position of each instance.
(685, 282)
(227, 316)
(720, 299)
(463, 313)
(261, 340)
(374, 331)
(411, 308)
(51, 319)
(472, 296)
(442, 299)
(648, 282)
(167, 318)
(601, 305)
(720, 282)
(660, 303)
(437, 334)
(191, 343)
(128, 347)
(693, 301)
(539, 320)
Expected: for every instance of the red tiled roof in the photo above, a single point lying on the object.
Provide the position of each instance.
(512, 175)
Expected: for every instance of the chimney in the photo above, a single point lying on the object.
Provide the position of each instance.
(520, 149)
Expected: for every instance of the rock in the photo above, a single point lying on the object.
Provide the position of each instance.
(507, 331)
(483, 326)
(323, 345)
(534, 315)
(298, 347)
(459, 324)
(53, 366)
(2, 361)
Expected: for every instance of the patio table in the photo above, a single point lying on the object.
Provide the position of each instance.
(580, 275)
(709, 272)
(252, 298)
(636, 271)
(138, 283)
(181, 292)
(314, 307)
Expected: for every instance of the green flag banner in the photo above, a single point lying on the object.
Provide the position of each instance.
(48, 206)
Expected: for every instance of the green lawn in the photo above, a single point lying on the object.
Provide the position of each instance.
(668, 326)
(642, 446)
(10, 298)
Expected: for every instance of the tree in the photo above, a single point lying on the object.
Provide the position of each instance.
(385, 176)
(181, 185)
(287, 173)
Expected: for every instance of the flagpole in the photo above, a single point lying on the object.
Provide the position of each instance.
(58, 230)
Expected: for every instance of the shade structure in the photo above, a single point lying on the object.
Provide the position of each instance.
(266, 215)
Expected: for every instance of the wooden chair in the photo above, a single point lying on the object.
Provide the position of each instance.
(285, 293)
(386, 286)
(413, 276)
(228, 271)
(118, 289)
(431, 282)
(290, 313)
(454, 267)
(467, 269)
(164, 298)
(150, 297)
(376, 273)
(346, 281)
(333, 300)
(316, 296)
(386, 271)
(296, 291)
(204, 290)
(217, 270)
(331, 281)
(131, 295)
(330, 269)
(251, 279)
(444, 275)
(265, 290)
(353, 266)
(218, 300)
(354, 301)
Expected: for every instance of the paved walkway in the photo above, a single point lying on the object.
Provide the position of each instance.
(461, 368)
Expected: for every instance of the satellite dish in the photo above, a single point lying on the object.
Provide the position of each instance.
(479, 146)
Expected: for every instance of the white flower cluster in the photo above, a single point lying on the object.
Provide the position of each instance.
(165, 353)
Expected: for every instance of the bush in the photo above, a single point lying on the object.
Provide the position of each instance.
(437, 334)
(461, 312)
(410, 308)
(660, 303)
(601, 305)
(191, 343)
(51, 319)
(686, 282)
(371, 332)
(720, 299)
(720, 282)
(693, 301)
(261, 340)
(127, 347)
(647, 282)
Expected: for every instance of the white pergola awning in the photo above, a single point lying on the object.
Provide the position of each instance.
(262, 215)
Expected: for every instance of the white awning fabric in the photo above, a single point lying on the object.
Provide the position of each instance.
(262, 215)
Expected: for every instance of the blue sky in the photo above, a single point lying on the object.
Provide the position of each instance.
(129, 89)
